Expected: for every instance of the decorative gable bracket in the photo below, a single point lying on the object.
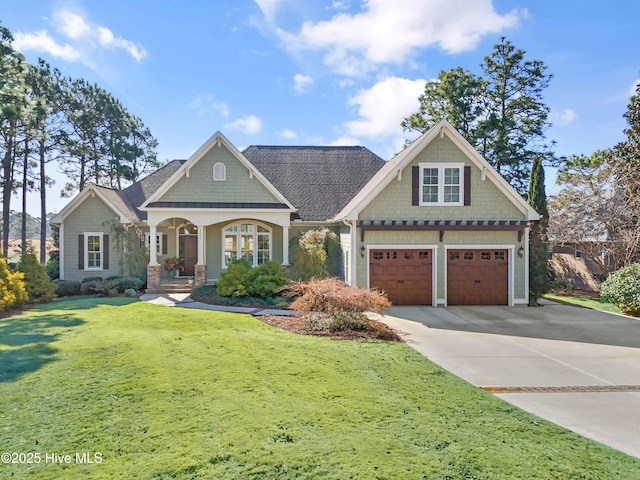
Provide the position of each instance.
(445, 225)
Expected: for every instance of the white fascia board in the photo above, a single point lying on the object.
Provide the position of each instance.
(216, 139)
(388, 172)
(81, 197)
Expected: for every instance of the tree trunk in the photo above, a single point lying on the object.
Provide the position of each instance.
(25, 188)
(7, 171)
(43, 205)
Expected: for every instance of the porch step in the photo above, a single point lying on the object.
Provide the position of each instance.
(174, 285)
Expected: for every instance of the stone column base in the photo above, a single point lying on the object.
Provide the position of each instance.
(153, 276)
(200, 275)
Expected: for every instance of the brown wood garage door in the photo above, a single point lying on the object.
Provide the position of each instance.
(478, 277)
(405, 275)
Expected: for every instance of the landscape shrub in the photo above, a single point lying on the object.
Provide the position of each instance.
(243, 280)
(126, 283)
(40, 288)
(53, 265)
(346, 305)
(67, 288)
(312, 249)
(98, 287)
(622, 288)
(12, 289)
(91, 279)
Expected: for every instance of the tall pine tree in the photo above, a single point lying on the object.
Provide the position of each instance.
(538, 244)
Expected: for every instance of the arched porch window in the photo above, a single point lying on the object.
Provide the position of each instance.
(251, 241)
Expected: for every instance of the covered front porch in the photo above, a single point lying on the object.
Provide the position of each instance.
(204, 243)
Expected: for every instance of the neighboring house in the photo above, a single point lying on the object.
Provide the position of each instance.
(435, 225)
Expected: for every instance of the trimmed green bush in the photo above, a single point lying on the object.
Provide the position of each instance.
(127, 283)
(12, 289)
(67, 288)
(623, 288)
(40, 288)
(91, 279)
(53, 265)
(243, 280)
(98, 287)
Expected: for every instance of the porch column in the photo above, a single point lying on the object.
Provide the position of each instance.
(153, 254)
(285, 245)
(153, 269)
(201, 244)
(200, 267)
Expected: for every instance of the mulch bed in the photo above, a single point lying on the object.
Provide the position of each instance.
(378, 331)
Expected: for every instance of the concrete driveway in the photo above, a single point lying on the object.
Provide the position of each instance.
(575, 367)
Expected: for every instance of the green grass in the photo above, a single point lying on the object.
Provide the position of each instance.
(585, 301)
(167, 393)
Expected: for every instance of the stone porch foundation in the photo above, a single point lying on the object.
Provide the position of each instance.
(200, 275)
(153, 276)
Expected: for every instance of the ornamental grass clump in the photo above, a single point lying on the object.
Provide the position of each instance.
(345, 305)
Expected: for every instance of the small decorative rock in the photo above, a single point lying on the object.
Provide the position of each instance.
(130, 292)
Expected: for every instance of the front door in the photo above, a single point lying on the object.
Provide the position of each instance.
(189, 254)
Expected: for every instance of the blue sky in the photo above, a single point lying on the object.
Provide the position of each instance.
(343, 72)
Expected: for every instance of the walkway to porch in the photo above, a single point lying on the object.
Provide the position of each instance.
(172, 285)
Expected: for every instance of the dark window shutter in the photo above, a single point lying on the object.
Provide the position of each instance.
(415, 185)
(165, 239)
(105, 255)
(467, 186)
(80, 252)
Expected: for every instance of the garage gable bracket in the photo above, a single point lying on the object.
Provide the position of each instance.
(443, 226)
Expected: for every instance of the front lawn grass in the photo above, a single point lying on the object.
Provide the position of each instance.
(164, 393)
(585, 301)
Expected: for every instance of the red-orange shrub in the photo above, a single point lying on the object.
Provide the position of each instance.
(336, 298)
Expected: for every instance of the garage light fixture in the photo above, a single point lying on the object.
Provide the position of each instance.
(363, 249)
(521, 252)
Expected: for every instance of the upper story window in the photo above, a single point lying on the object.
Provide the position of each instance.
(441, 184)
(219, 172)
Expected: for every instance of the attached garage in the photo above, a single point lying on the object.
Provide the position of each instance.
(478, 276)
(406, 275)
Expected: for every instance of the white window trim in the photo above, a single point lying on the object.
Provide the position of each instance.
(86, 250)
(221, 174)
(238, 234)
(147, 239)
(441, 167)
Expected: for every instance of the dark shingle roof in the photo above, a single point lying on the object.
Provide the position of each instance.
(140, 191)
(318, 181)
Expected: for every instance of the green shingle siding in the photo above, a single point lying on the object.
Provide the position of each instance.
(200, 186)
(487, 201)
(89, 216)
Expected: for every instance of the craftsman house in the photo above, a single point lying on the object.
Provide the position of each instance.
(435, 225)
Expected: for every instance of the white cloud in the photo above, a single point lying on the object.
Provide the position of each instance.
(345, 141)
(41, 41)
(287, 134)
(565, 117)
(249, 125)
(269, 8)
(85, 38)
(382, 107)
(206, 102)
(301, 82)
(108, 40)
(71, 24)
(390, 31)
